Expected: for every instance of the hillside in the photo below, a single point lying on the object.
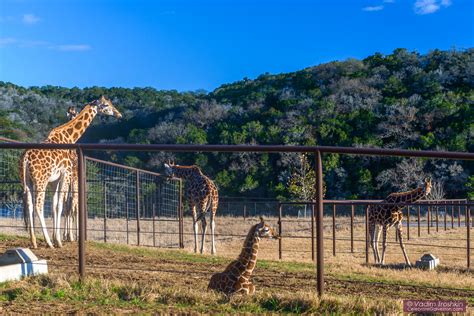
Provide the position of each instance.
(401, 100)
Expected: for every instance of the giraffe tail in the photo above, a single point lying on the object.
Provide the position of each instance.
(204, 212)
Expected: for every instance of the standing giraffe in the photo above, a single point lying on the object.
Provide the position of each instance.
(200, 192)
(39, 167)
(236, 278)
(385, 216)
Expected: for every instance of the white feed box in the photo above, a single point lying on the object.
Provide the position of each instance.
(427, 261)
(20, 262)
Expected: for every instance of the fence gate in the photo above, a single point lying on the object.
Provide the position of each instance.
(132, 206)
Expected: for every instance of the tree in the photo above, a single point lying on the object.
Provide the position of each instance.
(302, 183)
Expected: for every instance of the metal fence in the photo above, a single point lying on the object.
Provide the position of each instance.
(318, 214)
(124, 204)
(345, 225)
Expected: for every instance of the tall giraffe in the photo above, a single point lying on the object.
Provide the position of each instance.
(200, 192)
(39, 168)
(385, 216)
(236, 278)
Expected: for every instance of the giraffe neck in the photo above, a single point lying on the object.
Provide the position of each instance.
(248, 255)
(71, 131)
(407, 197)
(186, 172)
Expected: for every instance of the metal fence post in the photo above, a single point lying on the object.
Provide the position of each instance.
(105, 211)
(312, 232)
(319, 224)
(367, 235)
(154, 215)
(459, 215)
(280, 246)
(419, 214)
(180, 215)
(126, 216)
(334, 230)
(137, 201)
(408, 222)
(452, 216)
(468, 236)
(82, 202)
(429, 219)
(352, 228)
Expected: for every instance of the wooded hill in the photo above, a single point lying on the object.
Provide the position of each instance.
(401, 100)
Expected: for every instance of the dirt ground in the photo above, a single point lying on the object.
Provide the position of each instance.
(449, 245)
(107, 263)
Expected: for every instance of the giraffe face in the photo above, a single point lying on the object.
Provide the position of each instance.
(169, 170)
(265, 230)
(427, 186)
(106, 107)
(71, 113)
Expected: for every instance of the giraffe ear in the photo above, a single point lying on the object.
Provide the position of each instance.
(261, 220)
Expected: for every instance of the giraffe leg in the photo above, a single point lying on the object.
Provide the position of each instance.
(39, 208)
(400, 238)
(384, 244)
(195, 227)
(377, 238)
(56, 187)
(62, 192)
(29, 207)
(373, 239)
(251, 288)
(213, 229)
(203, 232)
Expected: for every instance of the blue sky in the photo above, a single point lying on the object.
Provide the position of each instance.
(190, 45)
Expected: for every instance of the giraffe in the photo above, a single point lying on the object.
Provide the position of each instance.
(200, 192)
(236, 278)
(385, 216)
(39, 168)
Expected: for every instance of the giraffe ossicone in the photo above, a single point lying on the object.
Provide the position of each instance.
(237, 277)
(388, 214)
(40, 168)
(201, 194)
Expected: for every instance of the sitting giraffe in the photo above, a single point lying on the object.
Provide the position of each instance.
(236, 278)
(40, 167)
(200, 192)
(385, 216)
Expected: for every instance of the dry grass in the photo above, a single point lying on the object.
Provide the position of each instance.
(176, 280)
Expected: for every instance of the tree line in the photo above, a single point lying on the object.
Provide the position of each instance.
(400, 100)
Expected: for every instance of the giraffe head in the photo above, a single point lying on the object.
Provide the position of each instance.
(169, 170)
(105, 106)
(427, 186)
(71, 112)
(264, 230)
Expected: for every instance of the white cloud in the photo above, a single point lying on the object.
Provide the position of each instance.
(388, 1)
(73, 47)
(373, 9)
(5, 41)
(430, 6)
(30, 19)
(20, 43)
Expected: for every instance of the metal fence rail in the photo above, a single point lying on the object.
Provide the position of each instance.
(316, 150)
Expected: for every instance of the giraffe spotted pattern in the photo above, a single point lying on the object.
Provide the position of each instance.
(382, 217)
(237, 277)
(202, 196)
